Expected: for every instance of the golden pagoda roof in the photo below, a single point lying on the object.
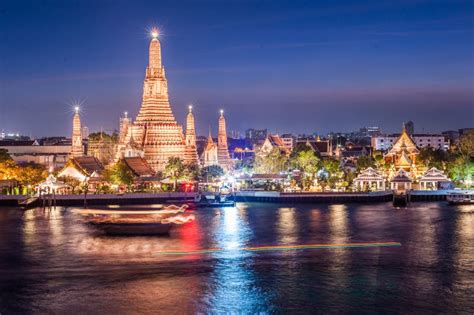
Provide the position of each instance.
(404, 159)
(404, 143)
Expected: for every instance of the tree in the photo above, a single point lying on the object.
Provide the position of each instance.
(364, 162)
(331, 172)
(211, 173)
(270, 163)
(31, 174)
(175, 170)
(119, 174)
(466, 145)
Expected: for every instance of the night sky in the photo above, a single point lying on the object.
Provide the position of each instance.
(286, 66)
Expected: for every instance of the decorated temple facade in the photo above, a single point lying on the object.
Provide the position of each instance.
(210, 153)
(190, 151)
(155, 134)
(222, 148)
(403, 155)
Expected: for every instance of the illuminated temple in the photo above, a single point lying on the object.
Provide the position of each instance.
(77, 148)
(403, 153)
(155, 134)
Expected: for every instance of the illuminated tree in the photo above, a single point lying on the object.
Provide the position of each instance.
(119, 174)
(466, 145)
(175, 170)
(272, 162)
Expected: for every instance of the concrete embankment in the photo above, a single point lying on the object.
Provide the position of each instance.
(241, 196)
(273, 196)
(105, 199)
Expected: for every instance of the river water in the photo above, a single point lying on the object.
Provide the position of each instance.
(50, 262)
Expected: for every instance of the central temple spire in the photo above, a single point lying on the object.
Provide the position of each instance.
(154, 51)
(155, 132)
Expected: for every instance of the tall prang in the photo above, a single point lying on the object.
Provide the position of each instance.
(222, 149)
(190, 154)
(77, 148)
(155, 132)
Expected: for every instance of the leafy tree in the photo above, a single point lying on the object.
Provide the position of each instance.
(460, 169)
(466, 145)
(192, 171)
(211, 173)
(175, 170)
(31, 174)
(331, 172)
(270, 163)
(308, 163)
(364, 162)
(119, 174)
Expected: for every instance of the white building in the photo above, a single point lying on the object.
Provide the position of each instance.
(288, 141)
(30, 151)
(435, 141)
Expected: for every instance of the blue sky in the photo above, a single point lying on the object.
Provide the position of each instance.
(289, 66)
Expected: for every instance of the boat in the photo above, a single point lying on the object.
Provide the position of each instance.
(461, 197)
(136, 222)
(210, 199)
(215, 194)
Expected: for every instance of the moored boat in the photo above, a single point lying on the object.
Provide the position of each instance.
(461, 197)
(136, 222)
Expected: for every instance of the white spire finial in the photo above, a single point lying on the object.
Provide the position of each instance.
(190, 107)
(222, 112)
(154, 33)
(76, 109)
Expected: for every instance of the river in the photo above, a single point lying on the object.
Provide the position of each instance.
(51, 262)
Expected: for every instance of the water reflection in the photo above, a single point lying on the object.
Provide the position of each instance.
(287, 226)
(85, 271)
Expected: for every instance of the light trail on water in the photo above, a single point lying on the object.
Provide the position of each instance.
(280, 248)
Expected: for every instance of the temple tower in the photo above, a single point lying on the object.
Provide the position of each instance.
(155, 131)
(190, 155)
(76, 149)
(222, 149)
(210, 155)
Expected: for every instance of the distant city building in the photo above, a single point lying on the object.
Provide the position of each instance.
(272, 142)
(12, 136)
(409, 127)
(256, 134)
(323, 148)
(435, 141)
(85, 132)
(26, 151)
(289, 141)
(452, 135)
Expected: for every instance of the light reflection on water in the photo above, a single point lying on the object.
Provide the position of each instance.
(60, 264)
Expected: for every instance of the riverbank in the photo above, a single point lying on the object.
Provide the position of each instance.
(241, 196)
